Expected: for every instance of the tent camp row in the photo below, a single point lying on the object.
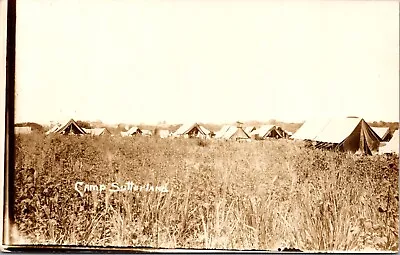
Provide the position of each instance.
(227, 132)
(71, 127)
(345, 134)
(231, 132)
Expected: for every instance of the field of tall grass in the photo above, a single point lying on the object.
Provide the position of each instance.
(226, 195)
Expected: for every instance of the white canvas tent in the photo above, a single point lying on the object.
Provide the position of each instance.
(269, 131)
(71, 127)
(97, 131)
(124, 134)
(219, 134)
(53, 129)
(133, 131)
(146, 132)
(22, 130)
(344, 134)
(192, 130)
(392, 146)
(234, 133)
(163, 133)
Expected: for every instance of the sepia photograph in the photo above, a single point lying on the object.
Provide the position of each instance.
(227, 125)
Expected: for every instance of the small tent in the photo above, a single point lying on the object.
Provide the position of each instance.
(236, 133)
(163, 133)
(219, 134)
(97, 131)
(69, 128)
(283, 133)
(269, 131)
(344, 134)
(392, 146)
(382, 132)
(192, 130)
(146, 132)
(124, 134)
(133, 131)
(22, 130)
(53, 129)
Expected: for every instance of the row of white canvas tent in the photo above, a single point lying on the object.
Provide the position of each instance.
(227, 132)
(71, 127)
(344, 134)
(231, 132)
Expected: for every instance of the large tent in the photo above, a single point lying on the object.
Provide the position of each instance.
(344, 134)
(392, 146)
(71, 127)
(192, 130)
(383, 132)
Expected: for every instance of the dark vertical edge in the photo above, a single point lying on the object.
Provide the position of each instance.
(9, 152)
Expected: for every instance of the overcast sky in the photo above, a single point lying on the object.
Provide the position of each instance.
(206, 61)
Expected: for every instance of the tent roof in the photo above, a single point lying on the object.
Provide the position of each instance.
(381, 131)
(204, 130)
(222, 131)
(147, 132)
(163, 133)
(96, 131)
(185, 128)
(232, 131)
(265, 129)
(69, 123)
(392, 146)
(249, 129)
(338, 130)
(133, 130)
(53, 129)
(327, 130)
(22, 130)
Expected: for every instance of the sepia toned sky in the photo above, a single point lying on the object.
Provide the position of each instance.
(207, 61)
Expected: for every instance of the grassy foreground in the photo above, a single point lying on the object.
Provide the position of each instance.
(227, 195)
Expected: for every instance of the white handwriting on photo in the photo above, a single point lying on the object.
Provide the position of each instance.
(82, 187)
